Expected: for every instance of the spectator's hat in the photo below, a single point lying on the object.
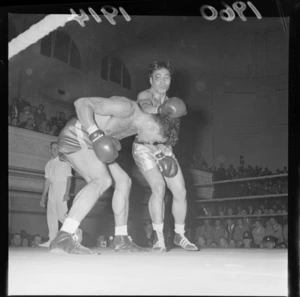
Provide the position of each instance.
(270, 238)
(247, 235)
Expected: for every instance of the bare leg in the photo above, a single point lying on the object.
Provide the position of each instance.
(176, 185)
(98, 179)
(156, 201)
(120, 199)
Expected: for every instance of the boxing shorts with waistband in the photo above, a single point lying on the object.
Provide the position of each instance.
(143, 154)
(72, 138)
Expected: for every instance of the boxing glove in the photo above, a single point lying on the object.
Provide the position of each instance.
(106, 147)
(166, 164)
(174, 107)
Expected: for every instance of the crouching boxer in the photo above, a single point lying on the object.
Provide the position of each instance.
(90, 143)
(157, 163)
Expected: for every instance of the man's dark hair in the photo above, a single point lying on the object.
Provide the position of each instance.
(158, 65)
(169, 128)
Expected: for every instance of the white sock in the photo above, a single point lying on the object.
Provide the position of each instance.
(121, 230)
(158, 227)
(179, 229)
(70, 226)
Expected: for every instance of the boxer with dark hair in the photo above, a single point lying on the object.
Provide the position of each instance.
(90, 143)
(148, 158)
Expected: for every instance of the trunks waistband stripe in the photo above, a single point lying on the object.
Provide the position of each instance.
(151, 143)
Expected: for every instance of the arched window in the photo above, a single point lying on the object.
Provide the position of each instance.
(59, 45)
(113, 69)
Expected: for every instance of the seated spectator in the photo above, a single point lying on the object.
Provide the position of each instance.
(16, 240)
(271, 211)
(30, 125)
(36, 241)
(26, 116)
(232, 244)
(200, 242)
(247, 222)
(239, 231)
(238, 209)
(33, 110)
(43, 128)
(221, 211)
(248, 240)
(25, 241)
(15, 122)
(54, 119)
(229, 211)
(223, 243)
(39, 116)
(230, 227)
(250, 209)
(277, 229)
(269, 242)
(61, 121)
(205, 231)
(258, 232)
(218, 231)
(54, 130)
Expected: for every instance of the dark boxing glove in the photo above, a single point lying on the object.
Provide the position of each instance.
(166, 164)
(106, 147)
(174, 107)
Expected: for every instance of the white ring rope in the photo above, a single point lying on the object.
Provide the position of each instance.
(241, 180)
(243, 216)
(243, 198)
(36, 32)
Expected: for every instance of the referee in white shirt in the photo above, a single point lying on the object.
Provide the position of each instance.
(57, 184)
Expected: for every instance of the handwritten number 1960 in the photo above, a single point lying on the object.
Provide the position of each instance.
(228, 14)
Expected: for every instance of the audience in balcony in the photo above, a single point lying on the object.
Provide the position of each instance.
(22, 114)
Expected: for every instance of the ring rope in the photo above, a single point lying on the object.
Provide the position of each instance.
(36, 32)
(241, 180)
(242, 216)
(243, 198)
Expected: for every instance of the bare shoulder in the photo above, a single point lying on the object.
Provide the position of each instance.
(146, 94)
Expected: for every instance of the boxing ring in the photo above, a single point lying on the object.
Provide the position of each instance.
(218, 272)
(221, 272)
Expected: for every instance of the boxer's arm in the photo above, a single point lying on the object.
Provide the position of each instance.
(145, 103)
(113, 106)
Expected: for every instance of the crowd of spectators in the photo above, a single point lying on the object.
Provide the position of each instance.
(278, 185)
(242, 233)
(23, 239)
(22, 114)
